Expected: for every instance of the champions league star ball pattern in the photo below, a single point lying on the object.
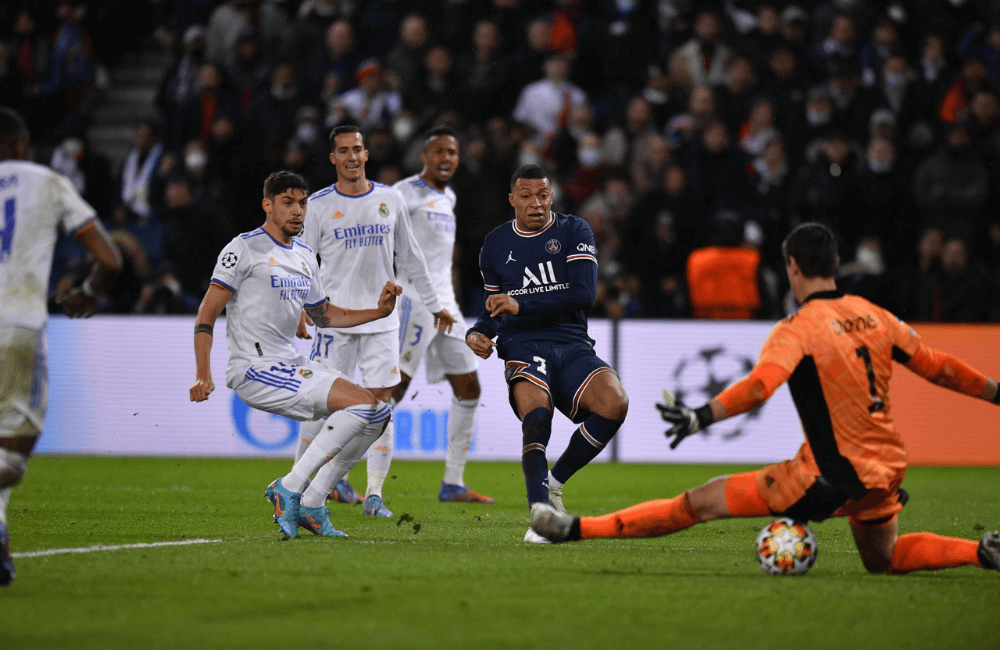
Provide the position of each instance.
(786, 547)
(702, 375)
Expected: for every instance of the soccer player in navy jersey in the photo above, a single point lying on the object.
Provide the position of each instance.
(540, 274)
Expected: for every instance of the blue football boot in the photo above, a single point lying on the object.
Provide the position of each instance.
(286, 507)
(342, 492)
(375, 506)
(317, 521)
(451, 493)
(7, 571)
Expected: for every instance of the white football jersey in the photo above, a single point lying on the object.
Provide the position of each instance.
(432, 216)
(271, 284)
(34, 203)
(358, 237)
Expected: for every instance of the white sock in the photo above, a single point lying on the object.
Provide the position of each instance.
(553, 483)
(13, 466)
(338, 430)
(379, 459)
(328, 475)
(4, 500)
(461, 419)
(307, 433)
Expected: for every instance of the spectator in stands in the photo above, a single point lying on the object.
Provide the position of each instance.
(910, 283)
(72, 61)
(951, 187)
(978, 40)
(734, 97)
(436, 88)
(865, 274)
(686, 128)
(651, 158)
(723, 278)
(138, 169)
(823, 190)
(894, 90)
(485, 75)
(960, 292)
(546, 104)
(372, 103)
(528, 59)
(224, 27)
(180, 85)
(403, 59)
(704, 58)
(884, 203)
(771, 189)
(883, 46)
(251, 68)
(665, 98)
(270, 118)
(717, 171)
(88, 170)
(838, 52)
(759, 128)
(973, 78)
(330, 67)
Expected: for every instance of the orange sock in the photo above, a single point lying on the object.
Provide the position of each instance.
(649, 519)
(927, 551)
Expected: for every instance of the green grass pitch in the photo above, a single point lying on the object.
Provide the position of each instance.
(458, 575)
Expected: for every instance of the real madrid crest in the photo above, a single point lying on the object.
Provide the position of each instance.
(305, 269)
(553, 246)
(306, 372)
(383, 209)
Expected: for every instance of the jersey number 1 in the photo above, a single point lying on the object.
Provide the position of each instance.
(877, 403)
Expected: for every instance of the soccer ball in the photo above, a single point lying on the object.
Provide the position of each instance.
(786, 547)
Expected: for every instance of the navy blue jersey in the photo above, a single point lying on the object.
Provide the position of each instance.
(552, 273)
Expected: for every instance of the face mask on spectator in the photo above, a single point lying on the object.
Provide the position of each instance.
(879, 166)
(403, 128)
(817, 118)
(589, 157)
(195, 160)
(306, 133)
(870, 261)
(897, 13)
(895, 80)
(283, 93)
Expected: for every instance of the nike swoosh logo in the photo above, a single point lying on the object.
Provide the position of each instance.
(278, 510)
(313, 523)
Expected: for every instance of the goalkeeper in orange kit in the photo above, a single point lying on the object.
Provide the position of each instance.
(836, 354)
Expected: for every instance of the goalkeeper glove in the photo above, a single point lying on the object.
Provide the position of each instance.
(684, 420)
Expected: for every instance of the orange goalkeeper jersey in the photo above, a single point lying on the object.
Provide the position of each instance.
(836, 354)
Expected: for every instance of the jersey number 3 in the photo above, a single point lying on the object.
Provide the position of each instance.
(877, 403)
(7, 230)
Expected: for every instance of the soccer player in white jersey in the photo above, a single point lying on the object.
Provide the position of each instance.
(35, 203)
(360, 229)
(431, 204)
(265, 278)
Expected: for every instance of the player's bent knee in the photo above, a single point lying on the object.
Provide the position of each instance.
(13, 467)
(536, 428)
(709, 500)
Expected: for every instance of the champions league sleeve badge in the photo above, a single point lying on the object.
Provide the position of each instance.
(229, 260)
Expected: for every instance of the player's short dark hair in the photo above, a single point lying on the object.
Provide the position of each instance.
(280, 182)
(530, 172)
(438, 131)
(12, 125)
(345, 128)
(814, 248)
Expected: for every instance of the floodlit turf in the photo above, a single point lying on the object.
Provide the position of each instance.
(458, 575)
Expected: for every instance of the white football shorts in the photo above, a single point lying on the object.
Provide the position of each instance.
(297, 389)
(376, 355)
(24, 381)
(419, 340)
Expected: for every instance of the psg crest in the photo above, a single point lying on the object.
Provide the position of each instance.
(553, 246)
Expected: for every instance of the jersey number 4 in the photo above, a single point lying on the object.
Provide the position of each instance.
(877, 403)
(7, 230)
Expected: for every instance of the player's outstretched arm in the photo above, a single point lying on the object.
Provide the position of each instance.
(950, 372)
(329, 315)
(208, 312)
(81, 302)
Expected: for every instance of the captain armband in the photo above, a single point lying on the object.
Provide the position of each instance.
(203, 327)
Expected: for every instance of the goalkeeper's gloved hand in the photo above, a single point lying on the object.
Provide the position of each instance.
(685, 421)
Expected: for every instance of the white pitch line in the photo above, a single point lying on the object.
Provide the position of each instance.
(116, 547)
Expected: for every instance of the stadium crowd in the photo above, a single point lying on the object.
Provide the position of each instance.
(692, 136)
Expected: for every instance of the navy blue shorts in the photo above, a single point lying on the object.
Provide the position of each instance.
(563, 370)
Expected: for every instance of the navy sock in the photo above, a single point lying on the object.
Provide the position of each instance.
(536, 427)
(586, 443)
